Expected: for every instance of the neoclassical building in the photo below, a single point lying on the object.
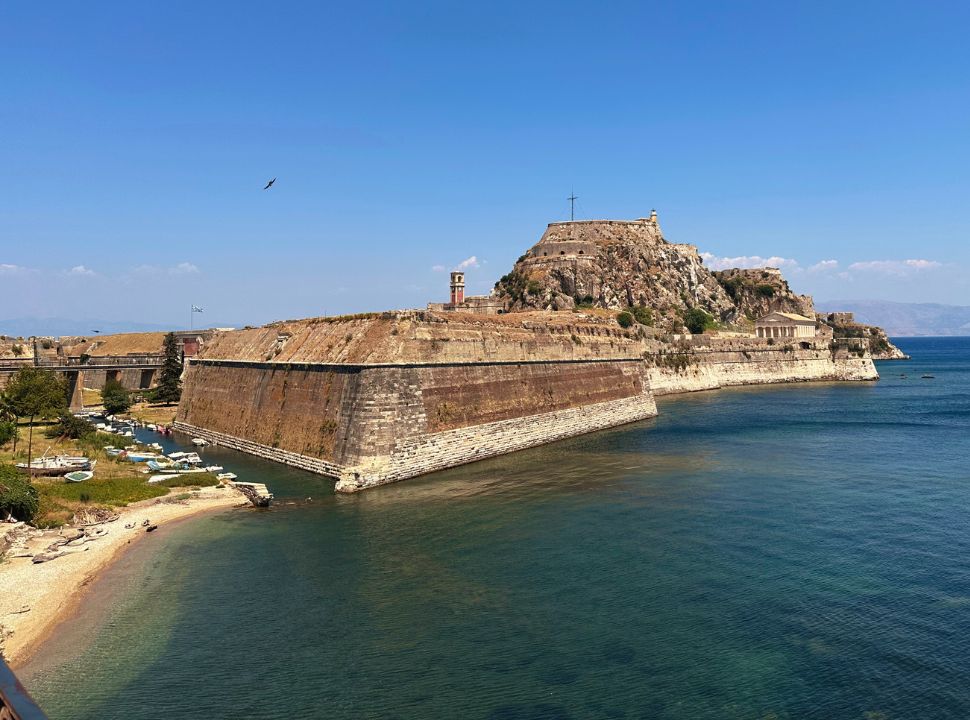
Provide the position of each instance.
(784, 325)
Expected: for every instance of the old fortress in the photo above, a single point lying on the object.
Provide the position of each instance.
(383, 397)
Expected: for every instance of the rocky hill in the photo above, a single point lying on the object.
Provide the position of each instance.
(618, 264)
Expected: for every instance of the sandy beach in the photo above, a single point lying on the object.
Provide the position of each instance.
(34, 597)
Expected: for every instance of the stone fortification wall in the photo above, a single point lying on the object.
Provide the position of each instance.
(371, 424)
(729, 363)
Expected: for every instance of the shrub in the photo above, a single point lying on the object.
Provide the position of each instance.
(69, 426)
(8, 430)
(115, 398)
(764, 291)
(533, 287)
(17, 350)
(642, 314)
(696, 320)
(625, 319)
(18, 497)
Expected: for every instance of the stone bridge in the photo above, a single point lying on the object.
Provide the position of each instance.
(134, 372)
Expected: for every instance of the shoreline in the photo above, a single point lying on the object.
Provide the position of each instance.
(38, 598)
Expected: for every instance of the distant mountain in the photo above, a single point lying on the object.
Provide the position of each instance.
(56, 327)
(905, 319)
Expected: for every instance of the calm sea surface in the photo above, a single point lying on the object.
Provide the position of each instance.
(787, 552)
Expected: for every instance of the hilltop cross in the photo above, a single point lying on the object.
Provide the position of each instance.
(572, 206)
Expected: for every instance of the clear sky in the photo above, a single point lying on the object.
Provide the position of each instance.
(135, 139)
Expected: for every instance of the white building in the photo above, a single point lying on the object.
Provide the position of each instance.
(784, 325)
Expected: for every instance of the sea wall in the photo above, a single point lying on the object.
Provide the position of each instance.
(753, 363)
(372, 424)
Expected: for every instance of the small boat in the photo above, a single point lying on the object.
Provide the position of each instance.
(177, 455)
(927, 377)
(114, 452)
(79, 476)
(137, 457)
(155, 446)
(192, 459)
(226, 476)
(200, 442)
(56, 465)
(213, 468)
(150, 426)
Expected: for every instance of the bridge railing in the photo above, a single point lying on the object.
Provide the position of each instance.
(113, 361)
(15, 703)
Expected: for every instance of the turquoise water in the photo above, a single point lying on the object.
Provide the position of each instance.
(786, 552)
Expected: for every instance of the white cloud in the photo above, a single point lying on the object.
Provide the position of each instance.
(471, 262)
(895, 267)
(747, 261)
(438, 268)
(184, 268)
(824, 266)
(80, 270)
(7, 269)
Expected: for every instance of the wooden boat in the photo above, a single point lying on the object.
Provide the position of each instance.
(79, 476)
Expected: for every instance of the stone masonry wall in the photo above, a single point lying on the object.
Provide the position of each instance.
(374, 424)
(710, 369)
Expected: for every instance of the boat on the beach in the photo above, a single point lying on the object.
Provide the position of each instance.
(79, 476)
(56, 465)
(137, 457)
(192, 459)
(226, 476)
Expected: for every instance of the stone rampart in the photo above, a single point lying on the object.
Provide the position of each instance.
(709, 369)
(374, 423)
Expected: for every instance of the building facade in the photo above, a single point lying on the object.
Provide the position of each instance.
(784, 325)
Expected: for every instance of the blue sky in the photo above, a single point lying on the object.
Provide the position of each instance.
(135, 139)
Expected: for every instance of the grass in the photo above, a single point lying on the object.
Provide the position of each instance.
(195, 480)
(155, 414)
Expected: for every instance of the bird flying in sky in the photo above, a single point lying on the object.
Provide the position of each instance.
(269, 184)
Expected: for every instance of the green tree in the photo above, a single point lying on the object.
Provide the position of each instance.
(697, 321)
(18, 498)
(169, 388)
(115, 398)
(36, 393)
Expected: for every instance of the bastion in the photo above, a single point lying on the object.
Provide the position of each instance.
(375, 399)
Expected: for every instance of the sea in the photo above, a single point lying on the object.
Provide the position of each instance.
(795, 551)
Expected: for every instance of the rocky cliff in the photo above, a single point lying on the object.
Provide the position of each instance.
(616, 264)
(843, 325)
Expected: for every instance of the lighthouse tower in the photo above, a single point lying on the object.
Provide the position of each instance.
(457, 288)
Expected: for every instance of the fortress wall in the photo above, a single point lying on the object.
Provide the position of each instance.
(711, 369)
(302, 410)
(371, 425)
